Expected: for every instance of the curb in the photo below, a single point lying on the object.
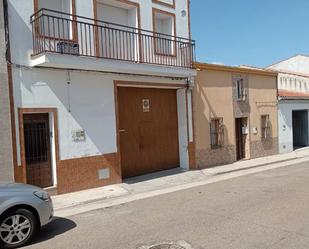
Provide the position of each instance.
(127, 198)
(255, 166)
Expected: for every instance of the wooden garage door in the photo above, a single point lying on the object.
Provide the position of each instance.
(148, 130)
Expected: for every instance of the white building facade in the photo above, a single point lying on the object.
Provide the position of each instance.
(102, 90)
(293, 104)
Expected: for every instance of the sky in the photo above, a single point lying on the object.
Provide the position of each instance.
(249, 32)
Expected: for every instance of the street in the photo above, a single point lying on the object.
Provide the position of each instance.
(266, 210)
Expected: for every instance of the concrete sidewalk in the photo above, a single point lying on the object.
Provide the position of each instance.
(166, 182)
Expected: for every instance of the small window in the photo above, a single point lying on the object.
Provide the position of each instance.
(265, 127)
(216, 133)
(240, 89)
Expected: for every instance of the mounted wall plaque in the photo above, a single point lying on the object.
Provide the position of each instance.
(146, 105)
(78, 135)
(245, 130)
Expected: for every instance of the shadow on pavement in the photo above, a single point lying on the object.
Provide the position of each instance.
(155, 175)
(56, 227)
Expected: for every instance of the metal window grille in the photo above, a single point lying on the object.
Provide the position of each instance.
(265, 127)
(216, 133)
(36, 135)
(240, 90)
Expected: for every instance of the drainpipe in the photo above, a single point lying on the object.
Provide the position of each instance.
(190, 122)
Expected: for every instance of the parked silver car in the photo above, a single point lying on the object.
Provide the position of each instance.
(23, 210)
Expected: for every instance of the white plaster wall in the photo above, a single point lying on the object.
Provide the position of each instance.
(299, 64)
(86, 103)
(183, 130)
(285, 126)
(292, 82)
(20, 30)
(21, 33)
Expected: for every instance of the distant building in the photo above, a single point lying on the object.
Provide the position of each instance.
(235, 114)
(293, 106)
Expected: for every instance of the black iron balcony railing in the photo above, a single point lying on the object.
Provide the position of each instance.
(63, 33)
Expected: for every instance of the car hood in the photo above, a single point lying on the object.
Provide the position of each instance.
(17, 187)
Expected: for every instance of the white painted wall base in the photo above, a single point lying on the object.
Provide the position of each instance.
(285, 126)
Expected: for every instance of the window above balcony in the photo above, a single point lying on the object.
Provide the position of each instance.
(48, 28)
(67, 6)
(164, 25)
(117, 12)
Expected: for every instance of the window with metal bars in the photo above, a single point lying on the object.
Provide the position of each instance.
(240, 90)
(265, 127)
(216, 133)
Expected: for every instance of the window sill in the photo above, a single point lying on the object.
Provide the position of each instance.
(216, 147)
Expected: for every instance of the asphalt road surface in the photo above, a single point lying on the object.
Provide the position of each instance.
(267, 210)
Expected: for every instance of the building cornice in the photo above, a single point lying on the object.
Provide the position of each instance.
(215, 67)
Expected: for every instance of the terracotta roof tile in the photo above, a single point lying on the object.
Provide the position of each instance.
(292, 94)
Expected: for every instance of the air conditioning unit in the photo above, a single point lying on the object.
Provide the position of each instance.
(68, 47)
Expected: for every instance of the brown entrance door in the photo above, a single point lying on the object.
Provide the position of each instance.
(148, 130)
(240, 140)
(37, 149)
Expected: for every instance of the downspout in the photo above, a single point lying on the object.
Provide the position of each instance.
(190, 123)
(189, 90)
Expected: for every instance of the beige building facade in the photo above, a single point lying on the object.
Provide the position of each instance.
(6, 153)
(235, 114)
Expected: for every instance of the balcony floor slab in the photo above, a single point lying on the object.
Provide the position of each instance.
(107, 65)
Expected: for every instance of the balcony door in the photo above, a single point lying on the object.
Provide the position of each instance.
(55, 23)
(164, 24)
(117, 34)
(37, 149)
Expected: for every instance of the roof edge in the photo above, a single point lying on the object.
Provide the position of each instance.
(286, 59)
(262, 71)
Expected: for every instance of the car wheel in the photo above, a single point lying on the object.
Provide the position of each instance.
(17, 228)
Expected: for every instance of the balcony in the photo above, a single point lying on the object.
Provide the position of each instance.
(61, 33)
